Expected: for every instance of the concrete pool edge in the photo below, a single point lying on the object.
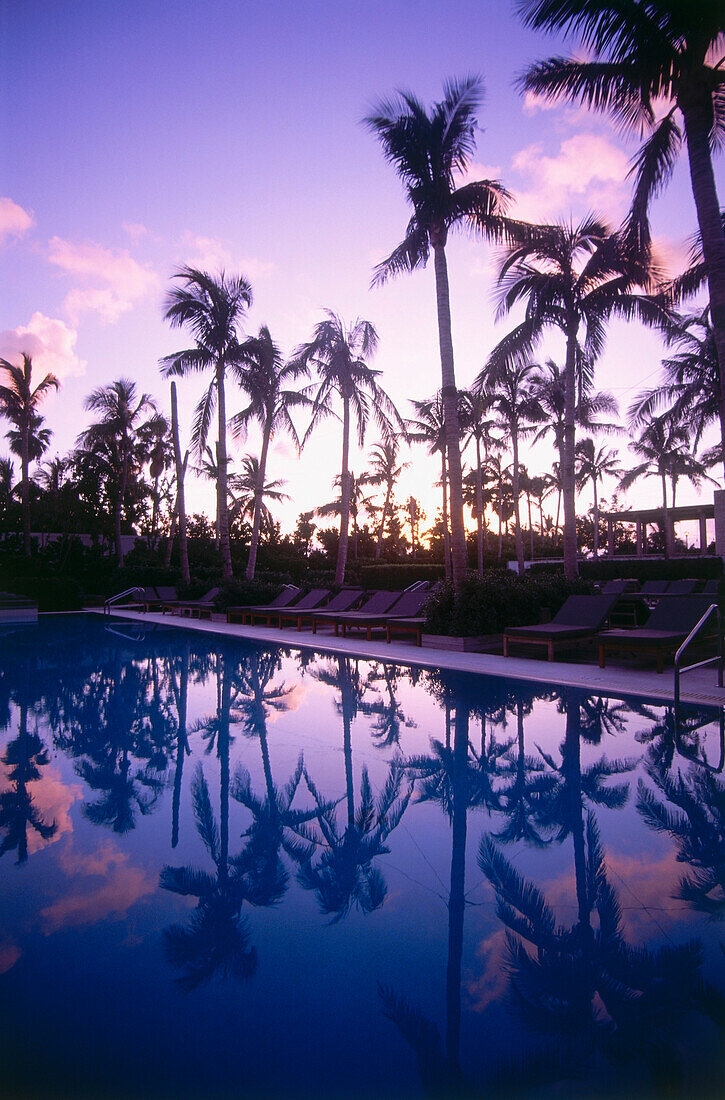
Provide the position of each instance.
(699, 686)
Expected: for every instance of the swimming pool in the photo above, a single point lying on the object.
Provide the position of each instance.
(239, 869)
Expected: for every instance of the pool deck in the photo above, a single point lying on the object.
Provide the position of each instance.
(698, 686)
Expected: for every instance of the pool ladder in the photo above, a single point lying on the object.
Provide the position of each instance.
(135, 591)
(679, 669)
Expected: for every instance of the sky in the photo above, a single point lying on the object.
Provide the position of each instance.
(141, 136)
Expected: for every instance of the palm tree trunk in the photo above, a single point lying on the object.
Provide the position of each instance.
(571, 568)
(119, 507)
(665, 517)
(180, 502)
(457, 896)
(697, 111)
(222, 506)
(25, 485)
(479, 508)
(259, 489)
(596, 519)
(449, 395)
(381, 532)
(531, 525)
(516, 486)
(446, 533)
(345, 494)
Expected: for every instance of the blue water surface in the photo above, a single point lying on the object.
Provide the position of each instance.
(236, 869)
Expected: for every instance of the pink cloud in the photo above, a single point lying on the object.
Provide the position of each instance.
(9, 955)
(14, 221)
(135, 230)
(52, 799)
(211, 254)
(588, 173)
(491, 986)
(111, 888)
(112, 282)
(50, 343)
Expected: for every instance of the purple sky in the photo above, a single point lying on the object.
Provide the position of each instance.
(143, 135)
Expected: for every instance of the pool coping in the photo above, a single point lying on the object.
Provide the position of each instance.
(699, 686)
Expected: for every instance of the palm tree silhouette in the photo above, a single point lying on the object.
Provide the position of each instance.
(212, 309)
(110, 442)
(639, 55)
(24, 756)
(429, 149)
(269, 404)
(584, 984)
(692, 811)
(215, 940)
(339, 353)
(574, 279)
(273, 816)
(343, 875)
(592, 465)
(385, 470)
(19, 403)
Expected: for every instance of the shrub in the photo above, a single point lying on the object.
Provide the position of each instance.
(51, 593)
(499, 599)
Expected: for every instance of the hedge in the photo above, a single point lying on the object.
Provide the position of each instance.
(499, 599)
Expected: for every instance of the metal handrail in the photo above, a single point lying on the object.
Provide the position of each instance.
(135, 591)
(699, 664)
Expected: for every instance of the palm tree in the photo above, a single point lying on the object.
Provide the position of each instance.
(478, 425)
(429, 427)
(572, 279)
(180, 506)
(211, 308)
(513, 396)
(110, 441)
(248, 492)
(19, 403)
(429, 149)
(269, 404)
(639, 53)
(357, 500)
(690, 392)
(338, 353)
(592, 465)
(155, 447)
(663, 448)
(385, 470)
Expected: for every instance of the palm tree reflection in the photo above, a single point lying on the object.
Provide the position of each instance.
(336, 859)
(24, 757)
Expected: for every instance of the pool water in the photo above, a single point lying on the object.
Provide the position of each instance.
(233, 869)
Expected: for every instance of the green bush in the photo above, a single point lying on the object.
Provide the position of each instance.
(51, 593)
(499, 599)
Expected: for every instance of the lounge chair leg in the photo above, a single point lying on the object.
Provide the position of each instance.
(505, 646)
(550, 651)
(602, 658)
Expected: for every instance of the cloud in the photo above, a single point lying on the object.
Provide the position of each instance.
(113, 886)
(112, 282)
(589, 172)
(9, 955)
(534, 103)
(52, 799)
(211, 254)
(50, 343)
(14, 221)
(135, 230)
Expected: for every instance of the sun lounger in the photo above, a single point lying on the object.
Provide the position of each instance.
(164, 594)
(406, 606)
(681, 587)
(270, 615)
(401, 628)
(343, 601)
(577, 621)
(712, 587)
(194, 609)
(289, 593)
(618, 587)
(377, 604)
(666, 629)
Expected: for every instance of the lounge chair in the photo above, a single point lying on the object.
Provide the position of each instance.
(401, 628)
(194, 609)
(144, 596)
(618, 587)
(712, 587)
(666, 629)
(378, 603)
(343, 601)
(289, 593)
(684, 587)
(165, 594)
(579, 620)
(270, 615)
(406, 606)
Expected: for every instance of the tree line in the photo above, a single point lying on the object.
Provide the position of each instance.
(567, 279)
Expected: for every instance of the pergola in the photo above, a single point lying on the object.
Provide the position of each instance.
(643, 517)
